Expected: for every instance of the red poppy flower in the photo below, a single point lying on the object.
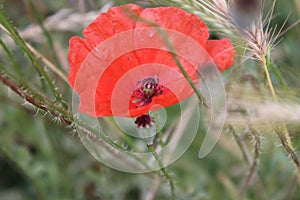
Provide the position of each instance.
(123, 67)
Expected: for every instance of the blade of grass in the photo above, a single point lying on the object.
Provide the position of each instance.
(275, 69)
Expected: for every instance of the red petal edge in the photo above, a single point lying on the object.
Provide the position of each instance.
(222, 53)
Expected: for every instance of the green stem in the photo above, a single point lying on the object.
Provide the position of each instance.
(163, 170)
(124, 136)
(158, 136)
(274, 68)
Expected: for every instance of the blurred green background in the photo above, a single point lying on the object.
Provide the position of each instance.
(43, 159)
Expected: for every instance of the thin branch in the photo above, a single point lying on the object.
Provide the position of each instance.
(17, 89)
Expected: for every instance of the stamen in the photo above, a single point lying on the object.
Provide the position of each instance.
(149, 87)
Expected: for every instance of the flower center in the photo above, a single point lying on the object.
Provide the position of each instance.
(147, 89)
(144, 121)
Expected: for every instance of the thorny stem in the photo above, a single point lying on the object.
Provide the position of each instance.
(285, 139)
(63, 115)
(163, 170)
(5, 80)
(290, 151)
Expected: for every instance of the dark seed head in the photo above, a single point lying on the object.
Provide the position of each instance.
(144, 121)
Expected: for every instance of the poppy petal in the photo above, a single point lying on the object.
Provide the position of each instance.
(114, 21)
(78, 52)
(183, 30)
(115, 56)
(186, 33)
(177, 20)
(109, 82)
(222, 53)
(121, 103)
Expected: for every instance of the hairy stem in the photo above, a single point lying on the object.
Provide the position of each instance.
(289, 150)
(285, 139)
(163, 170)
